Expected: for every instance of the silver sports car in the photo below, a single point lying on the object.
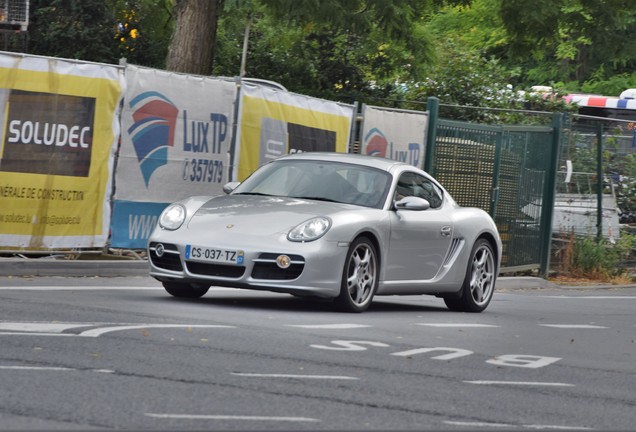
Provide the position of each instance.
(331, 225)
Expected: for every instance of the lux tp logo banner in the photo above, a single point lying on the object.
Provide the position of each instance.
(377, 144)
(154, 128)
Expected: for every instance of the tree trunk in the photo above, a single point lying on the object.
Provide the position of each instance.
(192, 44)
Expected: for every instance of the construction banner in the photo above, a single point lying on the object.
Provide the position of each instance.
(273, 123)
(59, 132)
(175, 142)
(394, 134)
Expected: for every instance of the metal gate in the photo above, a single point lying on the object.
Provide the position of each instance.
(509, 171)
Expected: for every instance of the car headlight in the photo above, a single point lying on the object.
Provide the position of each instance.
(310, 230)
(172, 217)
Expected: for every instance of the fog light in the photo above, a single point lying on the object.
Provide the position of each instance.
(283, 261)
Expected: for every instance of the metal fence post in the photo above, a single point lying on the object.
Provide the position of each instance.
(599, 183)
(432, 106)
(494, 196)
(547, 208)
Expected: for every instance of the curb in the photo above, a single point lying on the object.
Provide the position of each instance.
(16, 267)
(523, 282)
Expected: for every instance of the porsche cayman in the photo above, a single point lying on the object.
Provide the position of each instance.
(345, 227)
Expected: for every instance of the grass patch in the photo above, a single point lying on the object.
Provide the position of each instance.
(595, 260)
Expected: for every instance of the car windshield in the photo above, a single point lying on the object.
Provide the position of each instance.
(320, 180)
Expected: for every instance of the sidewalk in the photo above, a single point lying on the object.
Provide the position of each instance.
(49, 267)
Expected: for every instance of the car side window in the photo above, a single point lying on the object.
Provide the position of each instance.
(413, 184)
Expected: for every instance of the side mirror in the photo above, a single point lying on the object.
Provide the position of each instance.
(229, 187)
(412, 203)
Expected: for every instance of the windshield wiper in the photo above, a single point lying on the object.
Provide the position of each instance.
(253, 193)
(316, 198)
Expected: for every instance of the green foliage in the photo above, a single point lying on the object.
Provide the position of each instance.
(343, 59)
(612, 86)
(394, 18)
(101, 31)
(572, 41)
(374, 50)
(565, 40)
(73, 29)
(623, 169)
(474, 25)
(585, 160)
(619, 169)
(143, 30)
(474, 88)
(595, 259)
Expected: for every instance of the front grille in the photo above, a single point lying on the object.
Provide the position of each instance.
(170, 258)
(265, 267)
(220, 270)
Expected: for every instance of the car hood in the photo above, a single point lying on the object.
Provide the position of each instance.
(259, 215)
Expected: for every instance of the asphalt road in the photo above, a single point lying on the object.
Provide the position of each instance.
(119, 353)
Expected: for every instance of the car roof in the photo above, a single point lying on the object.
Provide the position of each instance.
(353, 158)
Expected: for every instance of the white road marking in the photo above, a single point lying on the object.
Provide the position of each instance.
(573, 326)
(229, 417)
(56, 328)
(100, 331)
(95, 288)
(506, 425)
(592, 297)
(36, 368)
(35, 334)
(477, 424)
(53, 369)
(329, 326)
(453, 353)
(556, 427)
(76, 288)
(325, 377)
(523, 361)
(347, 345)
(40, 327)
(452, 325)
(521, 383)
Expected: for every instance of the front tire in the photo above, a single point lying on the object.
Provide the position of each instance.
(359, 277)
(479, 283)
(185, 290)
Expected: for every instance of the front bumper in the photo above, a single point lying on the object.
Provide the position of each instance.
(316, 267)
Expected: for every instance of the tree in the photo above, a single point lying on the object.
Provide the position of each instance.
(564, 40)
(336, 49)
(577, 45)
(464, 78)
(398, 21)
(476, 25)
(143, 31)
(74, 29)
(192, 45)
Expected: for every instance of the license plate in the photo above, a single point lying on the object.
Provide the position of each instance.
(226, 256)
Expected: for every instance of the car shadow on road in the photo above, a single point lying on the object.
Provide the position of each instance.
(300, 304)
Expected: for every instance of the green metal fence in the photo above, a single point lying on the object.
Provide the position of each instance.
(598, 164)
(509, 171)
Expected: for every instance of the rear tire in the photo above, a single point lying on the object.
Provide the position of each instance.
(359, 277)
(479, 283)
(185, 290)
